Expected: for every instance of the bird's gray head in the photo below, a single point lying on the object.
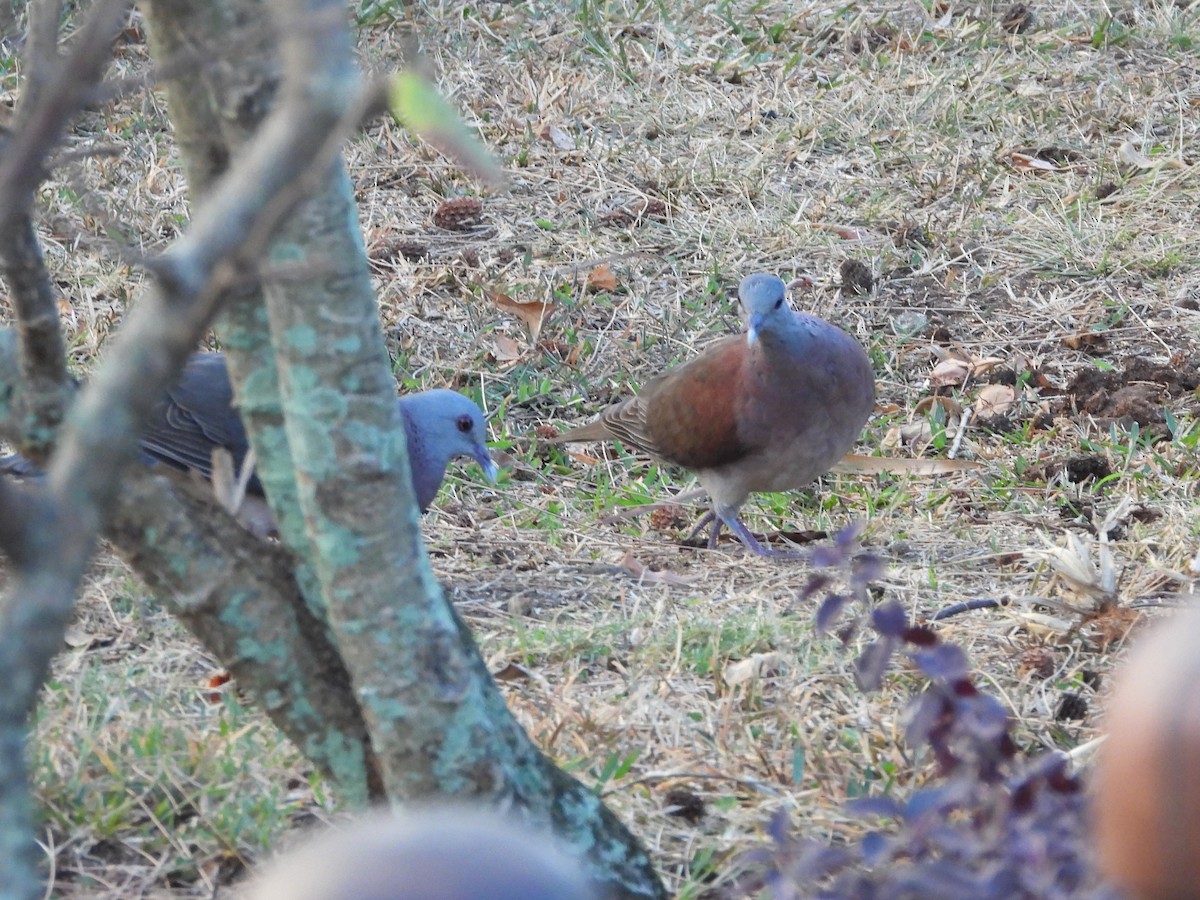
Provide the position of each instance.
(446, 425)
(761, 296)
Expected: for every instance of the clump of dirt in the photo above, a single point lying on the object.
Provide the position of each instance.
(1137, 394)
(1083, 468)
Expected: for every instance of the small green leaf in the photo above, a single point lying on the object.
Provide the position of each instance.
(419, 108)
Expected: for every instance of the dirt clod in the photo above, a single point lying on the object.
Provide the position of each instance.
(856, 277)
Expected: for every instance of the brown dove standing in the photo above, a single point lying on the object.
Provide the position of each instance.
(767, 410)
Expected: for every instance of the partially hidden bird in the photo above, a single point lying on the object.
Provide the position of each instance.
(770, 409)
(197, 416)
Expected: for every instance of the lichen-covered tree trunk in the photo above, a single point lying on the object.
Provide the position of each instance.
(320, 412)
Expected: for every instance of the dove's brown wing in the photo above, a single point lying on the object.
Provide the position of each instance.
(686, 416)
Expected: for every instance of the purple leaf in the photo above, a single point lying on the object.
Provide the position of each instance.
(884, 807)
(984, 717)
(829, 612)
(870, 666)
(867, 567)
(780, 827)
(942, 662)
(827, 557)
(889, 619)
(847, 538)
(816, 583)
(874, 847)
(923, 714)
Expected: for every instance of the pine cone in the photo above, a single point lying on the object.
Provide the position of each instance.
(458, 214)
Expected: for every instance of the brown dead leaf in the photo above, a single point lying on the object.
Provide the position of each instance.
(950, 371)
(1045, 159)
(995, 400)
(601, 279)
(512, 672)
(583, 458)
(985, 365)
(505, 349)
(1095, 341)
(949, 406)
(557, 137)
(911, 434)
(649, 576)
(531, 313)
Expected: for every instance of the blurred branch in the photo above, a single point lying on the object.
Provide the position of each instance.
(59, 89)
(99, 435)
(40, 52)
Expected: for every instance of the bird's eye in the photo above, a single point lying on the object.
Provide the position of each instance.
(779, 303)
(464, 424)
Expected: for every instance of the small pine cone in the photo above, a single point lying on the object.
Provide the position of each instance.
(458, 214)
(411, 249)
(1038, 661)
(671, 517)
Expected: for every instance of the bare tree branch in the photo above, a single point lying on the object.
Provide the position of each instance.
(240, 598)
(100, 433)
(59, 91)
(22, 511)
(41, 54)
(65, 92)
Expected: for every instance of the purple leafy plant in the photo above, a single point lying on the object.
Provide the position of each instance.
(989, 822)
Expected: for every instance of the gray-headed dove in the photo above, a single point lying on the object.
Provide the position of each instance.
(197, 416)
(767, 410)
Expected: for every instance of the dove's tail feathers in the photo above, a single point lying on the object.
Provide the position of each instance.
(593, 431)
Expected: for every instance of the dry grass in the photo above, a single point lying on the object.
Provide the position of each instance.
(789, 137)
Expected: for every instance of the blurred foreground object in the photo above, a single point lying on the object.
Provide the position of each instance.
(1147, 784)
(447, 853)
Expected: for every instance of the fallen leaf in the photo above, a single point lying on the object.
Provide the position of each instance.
(512, 672)
(752, 667)
(583, 458)
(1086, 340)
(505, 349)
(649, 576)
(995, 399)
(985, 365)
(531, 313)
(78, 638)
(557, 137)
(950, 371)
(1132, 156)
(909, 435)
(847, 232)
(949, 405)
(853, 462)
(1023, 162)
(601, 279)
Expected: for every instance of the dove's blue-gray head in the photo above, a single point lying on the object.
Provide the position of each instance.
(441, 425)
(763, 300)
